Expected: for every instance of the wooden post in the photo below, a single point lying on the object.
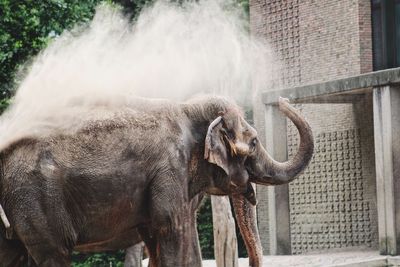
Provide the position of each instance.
(225, 242)
(133, 256)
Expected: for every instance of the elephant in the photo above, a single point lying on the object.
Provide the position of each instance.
(138, 173)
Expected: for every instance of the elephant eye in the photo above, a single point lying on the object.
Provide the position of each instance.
(230, 134)
(253, 143)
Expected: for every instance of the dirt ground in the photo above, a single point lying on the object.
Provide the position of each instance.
(342, 259)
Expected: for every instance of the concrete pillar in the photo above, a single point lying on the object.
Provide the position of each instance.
(278, 196)
(386, 104)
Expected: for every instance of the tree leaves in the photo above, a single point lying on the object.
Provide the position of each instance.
(27, 26)
(99, 259)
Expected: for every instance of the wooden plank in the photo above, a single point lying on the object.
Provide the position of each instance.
(225, 241)
(134, 255)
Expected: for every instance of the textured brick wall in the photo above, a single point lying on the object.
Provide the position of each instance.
(318, 41)
(365, 35)
(333, 203)
(315, 40)
(278, 22)
(329, 42)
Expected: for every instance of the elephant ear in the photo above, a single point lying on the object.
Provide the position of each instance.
(215, 149)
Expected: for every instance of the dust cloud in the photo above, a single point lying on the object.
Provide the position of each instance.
(170, 51)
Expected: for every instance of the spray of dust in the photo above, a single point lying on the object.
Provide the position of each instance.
(170, 52)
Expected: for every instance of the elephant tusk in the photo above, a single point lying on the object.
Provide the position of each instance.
(9, 230)
(208, 137)
(234, 185)
(4, 218)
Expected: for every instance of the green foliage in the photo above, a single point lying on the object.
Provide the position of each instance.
(132, 7)
(205, 229)
(4, 103)
(27, 26)
(99, 259)
(244, 4)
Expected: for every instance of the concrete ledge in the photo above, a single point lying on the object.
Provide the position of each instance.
(337, 259)
(366, 263)
(336, 90)
(393, 261)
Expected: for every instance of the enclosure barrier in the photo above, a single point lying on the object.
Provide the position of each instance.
(383, 88)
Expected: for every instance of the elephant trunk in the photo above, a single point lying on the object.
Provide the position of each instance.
(265, 170)
(245, 213)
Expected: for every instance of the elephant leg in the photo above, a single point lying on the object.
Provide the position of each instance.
(173, 225)
(151, 248)
(18, 261)
(179, 247)
(53, 262)
(45, 249)
(151, 245)
(31, 262)
(12, 254)
(45, 255)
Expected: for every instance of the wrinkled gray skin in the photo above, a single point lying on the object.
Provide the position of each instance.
(138, 176)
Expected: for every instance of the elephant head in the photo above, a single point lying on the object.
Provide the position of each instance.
(232, 144)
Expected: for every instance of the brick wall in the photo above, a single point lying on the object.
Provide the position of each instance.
(365, 35)
(333, 203)
(278, 22)
(315, 41)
